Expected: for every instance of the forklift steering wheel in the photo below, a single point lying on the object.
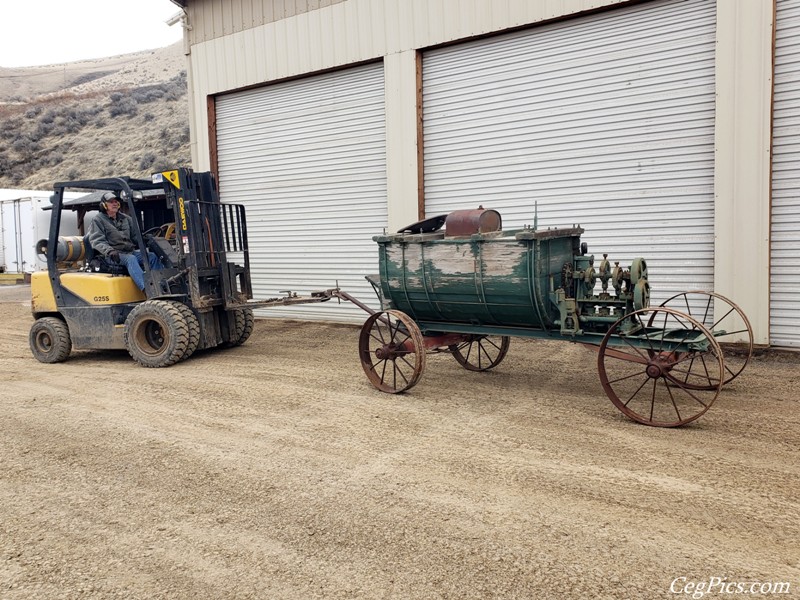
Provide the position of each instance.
(167, 230)
(155, 231)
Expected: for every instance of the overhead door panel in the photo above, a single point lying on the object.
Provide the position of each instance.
(307, 159)
(605, 120)
(784, 321)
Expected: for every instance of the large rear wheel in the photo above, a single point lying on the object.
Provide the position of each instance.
(725, 320)
(156, 334)
(49, 340)
(660, 367)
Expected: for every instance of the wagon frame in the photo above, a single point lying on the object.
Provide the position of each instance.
(661, 366)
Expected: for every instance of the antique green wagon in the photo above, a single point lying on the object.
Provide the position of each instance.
(459, 283)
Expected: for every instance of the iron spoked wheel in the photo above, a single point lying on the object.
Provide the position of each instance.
(726, 321)
(652, 384)
(392, 351)
(156, 334)
(481, 352)
(49, 340)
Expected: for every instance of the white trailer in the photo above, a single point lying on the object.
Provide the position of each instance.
(23, 222)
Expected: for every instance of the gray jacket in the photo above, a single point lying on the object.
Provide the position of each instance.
(107, 234)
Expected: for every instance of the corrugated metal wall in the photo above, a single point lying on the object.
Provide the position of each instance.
(230, 54)
(308, 160)
(605, 120)
(211, 19)
(785, 247)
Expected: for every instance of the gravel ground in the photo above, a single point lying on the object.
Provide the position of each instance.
(274, 470)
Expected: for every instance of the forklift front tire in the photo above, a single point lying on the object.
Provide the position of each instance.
(245, 321)
(156, 334)
(193, 326)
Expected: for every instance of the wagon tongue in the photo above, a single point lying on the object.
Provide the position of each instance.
(289, 299)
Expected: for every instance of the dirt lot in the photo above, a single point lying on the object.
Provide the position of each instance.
(274, 470)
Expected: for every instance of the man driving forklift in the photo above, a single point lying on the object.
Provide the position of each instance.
(110, 235)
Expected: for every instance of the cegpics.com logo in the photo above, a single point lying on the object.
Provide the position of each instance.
(721, 585)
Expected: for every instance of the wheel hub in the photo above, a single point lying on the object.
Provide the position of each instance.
(660, 364)
(44, 341)
(155, 335)
(654, 370)
(385, 352)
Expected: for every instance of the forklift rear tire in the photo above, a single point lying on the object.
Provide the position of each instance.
(156, 334)
(49, 340)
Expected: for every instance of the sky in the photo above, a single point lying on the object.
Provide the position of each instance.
(42, 32)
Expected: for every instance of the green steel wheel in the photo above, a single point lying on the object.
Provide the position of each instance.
(638, 270)
(392, 351)
(726, 321)
(652, 384)
(481, 352)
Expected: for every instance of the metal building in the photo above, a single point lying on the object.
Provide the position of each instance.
(648, 122)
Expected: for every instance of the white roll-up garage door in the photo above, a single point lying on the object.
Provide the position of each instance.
(604, 120)
(308, 160)
(784, 320)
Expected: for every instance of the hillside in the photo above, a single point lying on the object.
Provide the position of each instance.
(122, 115)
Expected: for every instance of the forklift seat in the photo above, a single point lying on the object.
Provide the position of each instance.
(97, 263)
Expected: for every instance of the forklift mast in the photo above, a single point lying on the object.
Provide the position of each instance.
(210, 237)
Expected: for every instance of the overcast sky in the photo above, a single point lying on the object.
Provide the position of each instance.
(42, 32)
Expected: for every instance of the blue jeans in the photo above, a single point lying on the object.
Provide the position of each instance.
(134, 264)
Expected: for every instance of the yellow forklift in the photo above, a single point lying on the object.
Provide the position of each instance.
(201, 299)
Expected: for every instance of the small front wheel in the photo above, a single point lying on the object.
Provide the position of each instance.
(49, 340)
(392, 351)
